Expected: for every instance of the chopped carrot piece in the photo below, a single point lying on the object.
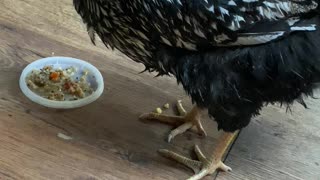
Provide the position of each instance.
(54, 76)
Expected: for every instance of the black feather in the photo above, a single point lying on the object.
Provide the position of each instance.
(234, 83)
(262, 58)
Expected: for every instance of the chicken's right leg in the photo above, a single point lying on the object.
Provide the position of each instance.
(185, 121)
(205, 165)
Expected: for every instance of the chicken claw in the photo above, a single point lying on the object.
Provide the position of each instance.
(204, 166)
(185, 121)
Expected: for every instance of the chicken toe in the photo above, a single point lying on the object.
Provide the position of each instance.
(186, 121)
(204, 166)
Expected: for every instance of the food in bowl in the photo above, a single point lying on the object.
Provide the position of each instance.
(59, 84)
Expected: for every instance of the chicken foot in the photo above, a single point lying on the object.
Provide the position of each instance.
(186, 121)
(205, 166)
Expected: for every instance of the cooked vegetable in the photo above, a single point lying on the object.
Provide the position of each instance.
(166, 106)
(159, 110)
(54, 76)
(59, 84)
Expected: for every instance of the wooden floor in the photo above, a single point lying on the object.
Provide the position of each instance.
(108, 141)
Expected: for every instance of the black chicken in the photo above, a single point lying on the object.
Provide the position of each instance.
(231, 56)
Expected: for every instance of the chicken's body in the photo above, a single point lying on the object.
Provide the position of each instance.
(231, 56)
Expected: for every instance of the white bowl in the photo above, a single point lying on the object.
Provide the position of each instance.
(94, 78)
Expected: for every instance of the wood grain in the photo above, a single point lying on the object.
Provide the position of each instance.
(108, 142)
(279, 146)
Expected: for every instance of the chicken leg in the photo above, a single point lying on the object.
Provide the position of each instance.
(205, 166)
(185, 121)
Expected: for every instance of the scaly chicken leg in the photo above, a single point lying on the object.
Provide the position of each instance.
(205, 166)
(185, 121)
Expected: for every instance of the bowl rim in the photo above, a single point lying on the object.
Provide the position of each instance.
(61, 104)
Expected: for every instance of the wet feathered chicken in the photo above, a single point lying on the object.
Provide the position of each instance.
(231, 56)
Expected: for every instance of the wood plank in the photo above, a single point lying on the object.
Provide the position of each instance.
(108, 140)
(279, 146)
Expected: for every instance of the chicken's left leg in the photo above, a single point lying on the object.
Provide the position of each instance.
(186, 121)
(205, 166)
